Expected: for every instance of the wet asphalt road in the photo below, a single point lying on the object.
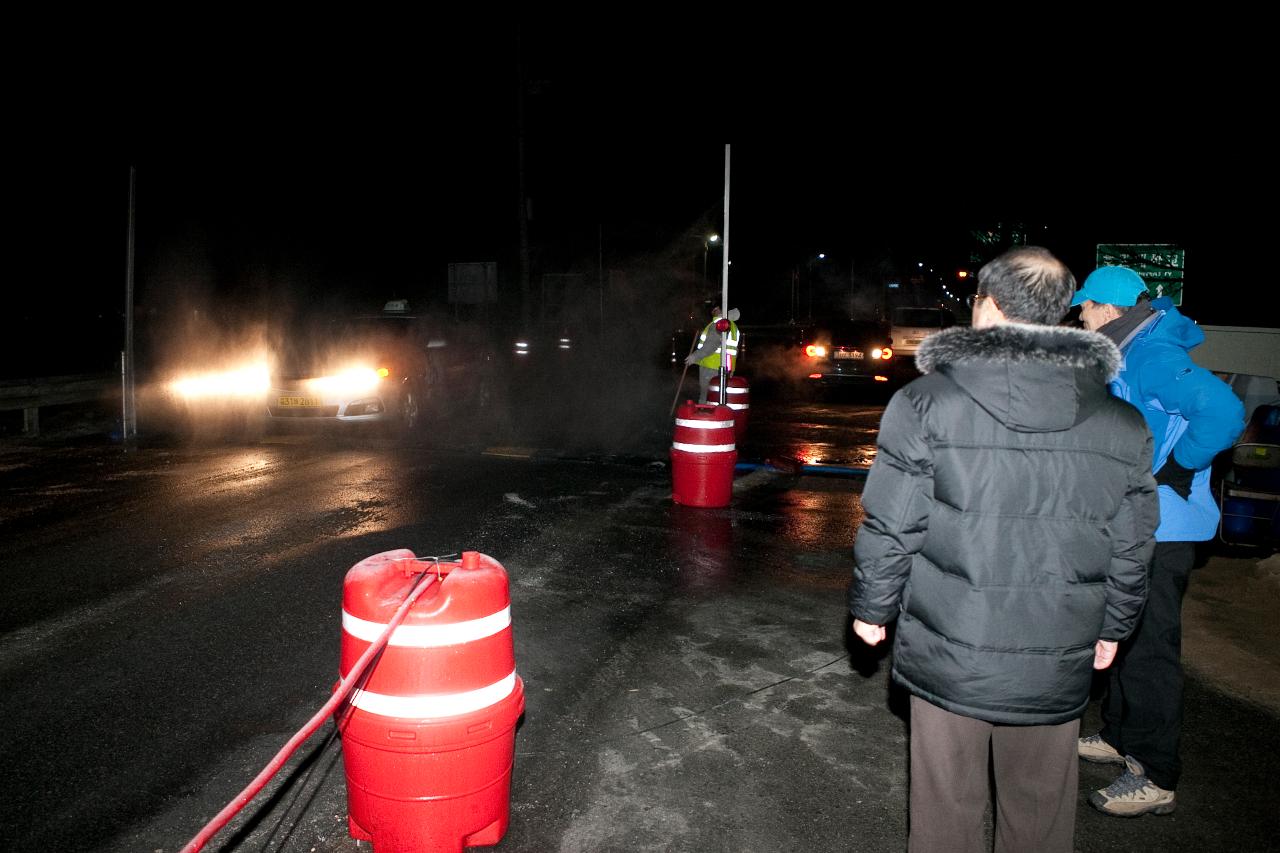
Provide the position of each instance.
(172, 617)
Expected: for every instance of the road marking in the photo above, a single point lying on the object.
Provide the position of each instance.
(509, 452)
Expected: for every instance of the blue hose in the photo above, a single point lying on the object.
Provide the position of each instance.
(824, 470)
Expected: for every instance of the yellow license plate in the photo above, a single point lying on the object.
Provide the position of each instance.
(300, 402)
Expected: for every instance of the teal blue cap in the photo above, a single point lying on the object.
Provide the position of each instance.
(1112, 285)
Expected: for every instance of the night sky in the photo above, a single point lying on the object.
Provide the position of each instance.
(316, 202)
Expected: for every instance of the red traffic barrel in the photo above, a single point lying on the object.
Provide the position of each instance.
(428, 737)
(738, 399)
(703, 454)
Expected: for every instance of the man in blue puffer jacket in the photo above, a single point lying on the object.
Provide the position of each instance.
(1193, 416)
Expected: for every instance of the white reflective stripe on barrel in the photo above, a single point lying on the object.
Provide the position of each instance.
(425, 705)
(738, 405)
(692, 424)
(429, 636)
(703, 448)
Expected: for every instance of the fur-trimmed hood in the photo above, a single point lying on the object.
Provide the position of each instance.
(1018, 342)
(1031, 378)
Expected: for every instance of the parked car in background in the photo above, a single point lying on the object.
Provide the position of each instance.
(847, 353)
(909, 326)
(545, 346)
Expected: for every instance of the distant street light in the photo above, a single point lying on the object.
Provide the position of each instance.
(706, 247)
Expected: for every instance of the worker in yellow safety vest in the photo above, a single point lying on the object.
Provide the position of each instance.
(714, 344)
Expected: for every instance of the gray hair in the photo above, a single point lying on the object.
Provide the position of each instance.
(1029, 284)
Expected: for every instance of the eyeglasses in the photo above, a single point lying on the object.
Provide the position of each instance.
(972, 299)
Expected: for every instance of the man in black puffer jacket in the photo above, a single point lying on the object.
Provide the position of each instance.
(1010, 516)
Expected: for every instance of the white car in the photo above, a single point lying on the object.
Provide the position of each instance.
(910, 326)
(394, 369)
(371, 369)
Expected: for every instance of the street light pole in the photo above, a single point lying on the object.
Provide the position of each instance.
(129, 413)
(706, 247)
(810, 261)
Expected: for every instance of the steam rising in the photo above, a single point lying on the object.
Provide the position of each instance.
(605, 348)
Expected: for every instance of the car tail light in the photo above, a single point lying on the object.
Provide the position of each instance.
(815, 350)
(882, 352)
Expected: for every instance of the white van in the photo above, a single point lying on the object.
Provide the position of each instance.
(909, 326)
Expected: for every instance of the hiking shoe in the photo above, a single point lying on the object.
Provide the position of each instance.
(1132, 794)
(1094, 748)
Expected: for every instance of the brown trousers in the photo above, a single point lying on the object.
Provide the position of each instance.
(1036, 783)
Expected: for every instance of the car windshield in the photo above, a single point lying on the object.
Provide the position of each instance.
(850, 332)
(918, 317)
(374, 328)
(335, 343)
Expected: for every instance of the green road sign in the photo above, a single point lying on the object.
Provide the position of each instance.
(1159, 264)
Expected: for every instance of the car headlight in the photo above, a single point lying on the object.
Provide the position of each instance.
(348, 383)
(244, 382)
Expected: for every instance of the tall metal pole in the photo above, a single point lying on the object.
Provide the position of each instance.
(524, 199)
(129, 424)
(724, 261)
(724, 287)
(795, 274)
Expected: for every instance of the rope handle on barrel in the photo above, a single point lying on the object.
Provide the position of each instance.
(339, 694)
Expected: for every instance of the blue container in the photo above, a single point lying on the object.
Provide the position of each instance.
(1250, 521)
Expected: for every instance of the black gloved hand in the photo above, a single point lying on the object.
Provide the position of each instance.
(1176, 477)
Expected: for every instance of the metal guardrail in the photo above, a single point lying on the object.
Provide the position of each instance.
(30, 395)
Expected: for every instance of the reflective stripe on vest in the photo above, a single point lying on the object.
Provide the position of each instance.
(728, 345)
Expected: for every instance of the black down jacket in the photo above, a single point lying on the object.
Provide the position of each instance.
(1010, 516)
